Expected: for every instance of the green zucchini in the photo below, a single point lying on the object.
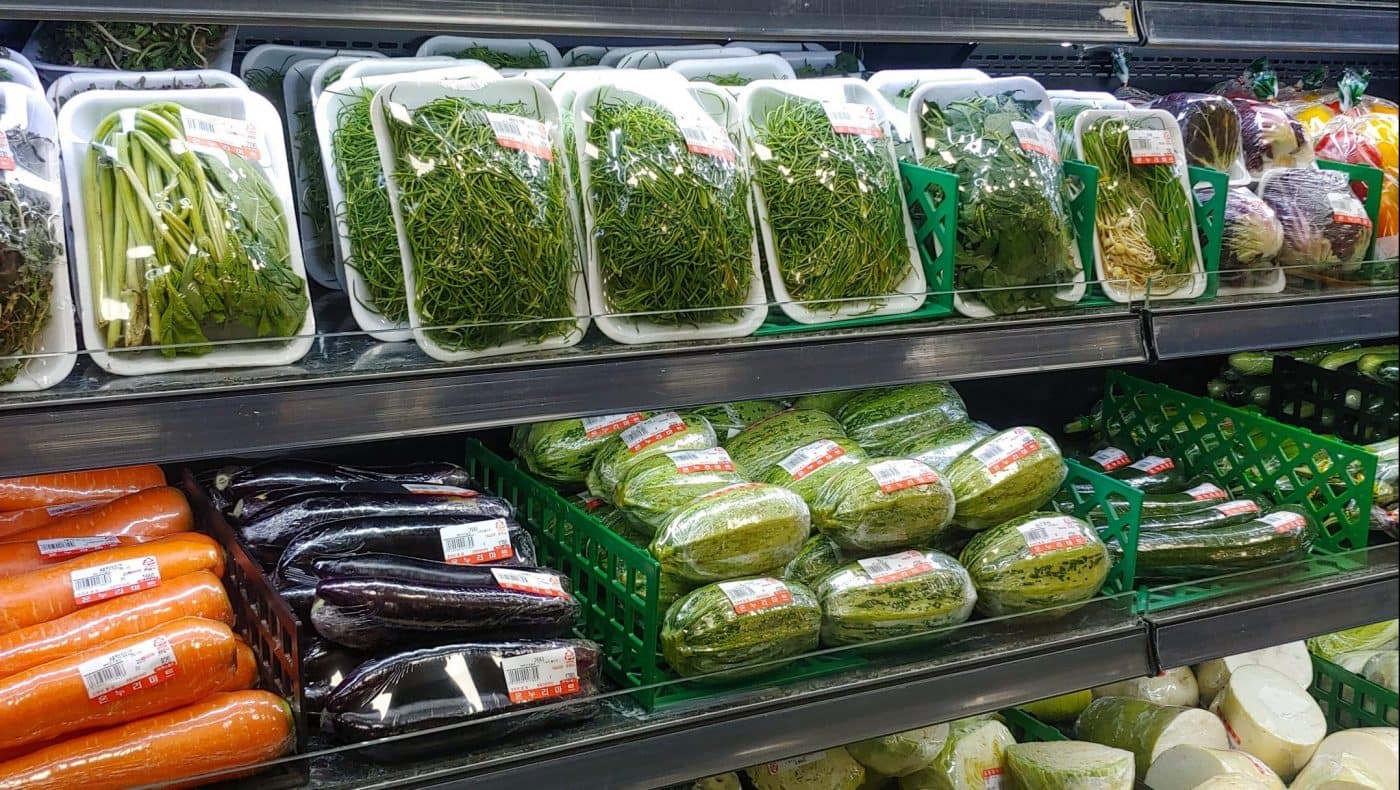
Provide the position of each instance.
(818, 557)
(1253, 363)
(663, 433)
(656, 487)
(562, 451)
(1005, 475)
(1034, 562)
(770, 440)
(942, 447)
(1282, 535)
(883, 504)
(897, 595)
(1192, 500)
(1153, 474)
(807, 468)
(1340, 359)
(888, 420)
(730, 626)
(742, 530)
(1222, 514)
(728, 419)
(829, 402)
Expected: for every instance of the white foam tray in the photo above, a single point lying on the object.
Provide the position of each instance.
(889, 83)
(70, 85)
(451, 45)
(751, 67)
(615, 54)
(662, 57)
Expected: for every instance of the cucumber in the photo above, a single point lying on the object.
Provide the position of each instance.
(1340, 359)
(1223, 514)
(896, 595)
(1281, 535)
(1192, 500)
(1253, 363)
(731, 626)
(1068, 765)
(889, 420)
(1147, 729)
(770, 440)
(663, 433)
(1153, 474)
(1005, 475)
(655, 487)
(1035, 562)
(1370, 363)
(883, 504)
(1105, 459)
(742, 530)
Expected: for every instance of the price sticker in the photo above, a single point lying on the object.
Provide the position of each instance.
(755, 595)
(1001, 453)
(793, 763)
(99, 583)
(543, 675)
(1206, 492)
(609, 424)
(714, 459)
(1153, 464)
(991, 778)
(894, 567)
(62, 548)
(521, 134)
(437, 489)
(476, 542)
(1053, 533)
(529, 581)
(857, 119)
(704, 137)
(588, 502)
(121, 673)
(810, 457)
(1284, 521)
(649, 432)
(7, 156)
(217, 133)
(1238, 507)
(1347, 210)
(1035, 140)
(898, 474)
(1151, 147)
(1110, 458)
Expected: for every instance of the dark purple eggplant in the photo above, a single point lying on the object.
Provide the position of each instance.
(323, 666)
(256, 506)
(420, 537)
(267, 536)
(381, 612)
(394, 566)
(294, 473)
(299, 596)
(455, 684)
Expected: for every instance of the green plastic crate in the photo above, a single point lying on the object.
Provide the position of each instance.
(1349, 700)
(933, 207)
(1120, 504)
(1028, 728)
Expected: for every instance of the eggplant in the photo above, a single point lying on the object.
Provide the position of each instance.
(394, 566)
(267, 536)
(254, 507)
(420, 537)
(323, 666)
(299, 596)
(294, 473)
(453, 684)
(371, 613)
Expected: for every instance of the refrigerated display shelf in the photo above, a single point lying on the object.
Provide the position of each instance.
(1260, 322)
(1270, 26)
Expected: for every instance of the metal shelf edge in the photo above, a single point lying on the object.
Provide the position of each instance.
(1269, 26)
(1226, 327)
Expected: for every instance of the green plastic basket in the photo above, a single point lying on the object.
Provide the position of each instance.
(1349, 700)
(933, 207)
(1120, 506)
(1028, 728)
(1371, 271)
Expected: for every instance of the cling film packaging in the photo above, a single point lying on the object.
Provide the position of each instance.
(739, 530)
(562, 451)
(894, 595)
(661, 433)
(883, 504)
(1325, 226)
(893, 420)
(1210, 131)
(656, 487)
(740, 627)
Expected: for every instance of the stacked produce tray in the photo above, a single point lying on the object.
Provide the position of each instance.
(1350, 700)
(1355, 408)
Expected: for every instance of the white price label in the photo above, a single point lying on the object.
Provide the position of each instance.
(714, 459)
(1002, 452)
(60, 548)
(1151, 147)
(437, 489)
(543, 675)
(608, 424)
(1347, 210)
(898, 474)
(704, 137)
(529, 581)
(649, 432)
(1110, 458)
(1284, 522)
(99, 583)
(477, 542)
(521, 134)
(217, 133)
(7, 156)
(1206, 492)
(1236, 508)
(115, 675)
(858, 119)
(991, 778)
(755, 595)
(1052, 533)
(793, 763)
(894, 567)
(810, 457)
(1153, 464)
(58, 510)
(1035, 140)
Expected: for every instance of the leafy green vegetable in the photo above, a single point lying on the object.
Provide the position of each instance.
(29, 244)
(536, 58)
(314, 198)
(129, 46)
(844, 63)
(725, 79)
(369, 219)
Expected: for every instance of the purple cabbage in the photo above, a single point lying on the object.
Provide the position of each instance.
(1270, 138)
(1250, 239)
(1210, 127)
(1324, 224)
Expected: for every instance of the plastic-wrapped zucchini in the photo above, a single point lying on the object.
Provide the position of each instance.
(662, 433)
(818, 557)
(1005, 475)
(1034, 562)
(806, 469)
(728, 419)
(656, 487)
(562, 451)
(770, 440)
(1153, 474)
(733, 625)
(1281, 535)
(943, 446)
(896, 595)
(883, 504)
(741, 530)
(892, 420)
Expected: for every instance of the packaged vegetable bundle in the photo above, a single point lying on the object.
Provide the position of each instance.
(1014, 249)
(1270, 139)
(1370, 137)
(739, 530)
(132, 46)
(1210, 131)
(1068, 105)
(1251, 239)
(1324, 225)
(562, 451)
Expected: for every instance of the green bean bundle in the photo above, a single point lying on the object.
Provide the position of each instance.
(369, 220)
(488, 227)
(672, 227)
(834, 205)
(536, 58)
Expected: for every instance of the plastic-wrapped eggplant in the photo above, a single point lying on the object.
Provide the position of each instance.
(268, 536)
(484, 603)
(298, 595)
(255, 506)
(293, 473)
(460, 540)
(323, 666)
(452, 684)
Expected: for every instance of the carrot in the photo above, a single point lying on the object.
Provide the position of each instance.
(63, 588)
(18, 493)
(226, 731)
(167, 667)
(152, 513)
(31, 517)
(196, 594)
(33, 555)
(245, 674)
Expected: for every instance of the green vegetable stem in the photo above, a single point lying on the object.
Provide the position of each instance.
(369, 220)
(129, 46)
(534, 59)
(29, 244)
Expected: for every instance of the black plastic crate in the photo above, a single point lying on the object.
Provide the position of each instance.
(1353, 407)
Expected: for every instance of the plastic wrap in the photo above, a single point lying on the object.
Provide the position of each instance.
(726, 781)
(132, 46)
(833, 769)
(1068, 765)
(1068, 105)
(1005, 475)
(287, 476)
(891, 420)
(1251, 239)
(1291, 659)
(1188, 767)
(453, 684)
(562, 451)
(728, 419)
(1210, 130)
(1061, 708)
(902, 753)
(1270, 139)
(818, 557)
(828, 402)
(658, 486)
(1325, 226)
(998, 137)
(661, 433)
(323, 666)
(1385, 494)
(1281, 535)
(806, 469)
(768, 441)
(1271, 717)
(973, 758)
(897, 595)
(1147, 729)
(1383, 669)
(883, 504)
(1376, 636)
(1036, 561)
(1370, 138)
(1175, 686)
(943, 446)
(739, 530)
(485, 603)
(1340, 771)
(730, 626)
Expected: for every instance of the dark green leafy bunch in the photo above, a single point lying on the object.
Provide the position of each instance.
(536, 58)
(29, 244)
(731, 80)
(313, 199)
(369, 220)
(130, 46)
(843, 63)
(267, 82)
(186, 247)
(833, 203)
(488, 227)
(1013, 226)
(672, 227)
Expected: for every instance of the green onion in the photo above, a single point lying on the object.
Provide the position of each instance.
(731, 80)
(369, 220)
(534, 59)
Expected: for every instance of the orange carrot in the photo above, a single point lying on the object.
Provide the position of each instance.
(18, 493)
(33, 555)
(152, 513)
(29, 518)
(245, 675)
(225, 731)
(170, 666)
(50, 593)
(196, 594)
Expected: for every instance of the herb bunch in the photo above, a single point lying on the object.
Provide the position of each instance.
(130, 46)
(29, 244)
(369, 219)
(488, 227)
(536, 58)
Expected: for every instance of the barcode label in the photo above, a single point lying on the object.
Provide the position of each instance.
(1347, 210)
(521, 134)
(1206, 492)
(58, 510)
(704, 137)
(729, 488)
(60, 548)
(649, 432)
(755, 595)
(793, 763)
(714, 459)
(1110, 458)
(609, 424)
(1236, 508)
(1001, 453)
(1153, 464)
(894, 567)
(542, 675)
(437, 489)
(120, 673)
(1151, 147)
(810, 457)
(476, 542)
(7, 157)
(858, 119)
(1052, 533)
(99, 583)
(1035, 140)
(217, 133)
(529, 581)
(1284, 521)
(898, 474)
(991, 778)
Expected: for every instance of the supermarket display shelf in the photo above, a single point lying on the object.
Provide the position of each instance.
(1270, 26)
(1257, 617)
(1259, 322)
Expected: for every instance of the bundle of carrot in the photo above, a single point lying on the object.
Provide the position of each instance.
(118, 665)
